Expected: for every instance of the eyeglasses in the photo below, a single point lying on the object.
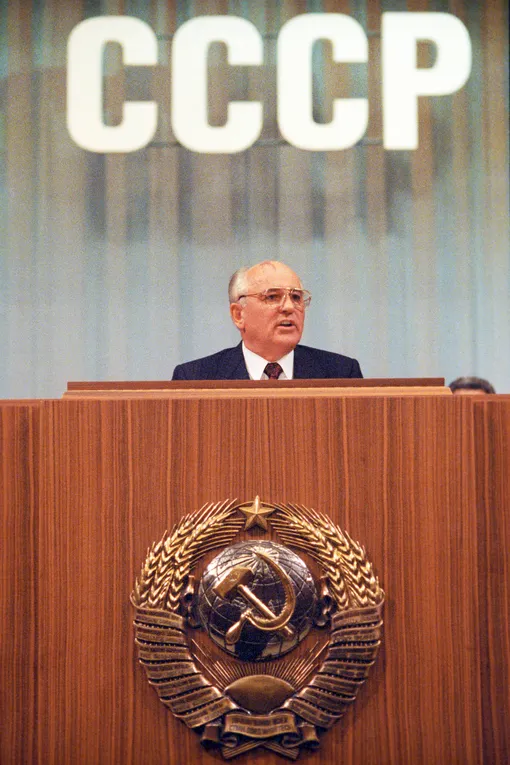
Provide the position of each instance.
(276, 297)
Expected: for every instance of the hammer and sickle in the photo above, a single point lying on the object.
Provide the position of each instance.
(258, 614)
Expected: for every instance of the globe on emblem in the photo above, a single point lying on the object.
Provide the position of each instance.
(257, 600)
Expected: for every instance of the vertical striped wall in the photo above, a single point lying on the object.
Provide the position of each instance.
(115, 266)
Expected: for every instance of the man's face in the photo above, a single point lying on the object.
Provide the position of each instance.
(270, 331)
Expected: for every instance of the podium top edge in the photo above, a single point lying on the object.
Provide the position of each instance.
(258, 393)
(172, 385)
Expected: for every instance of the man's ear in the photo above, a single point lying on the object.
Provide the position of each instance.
(236, 312)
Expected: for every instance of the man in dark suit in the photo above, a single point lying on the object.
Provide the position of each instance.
(267, 305)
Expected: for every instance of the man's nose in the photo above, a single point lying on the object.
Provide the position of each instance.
(287, 303)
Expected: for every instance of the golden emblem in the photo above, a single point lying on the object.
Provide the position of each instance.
(254, 603)
(236, 580)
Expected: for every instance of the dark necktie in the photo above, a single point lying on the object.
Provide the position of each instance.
(273, 370)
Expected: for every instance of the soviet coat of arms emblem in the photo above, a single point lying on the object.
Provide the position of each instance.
(257, 649)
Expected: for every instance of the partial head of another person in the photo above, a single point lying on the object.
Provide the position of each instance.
(267, 305)
(471, 386)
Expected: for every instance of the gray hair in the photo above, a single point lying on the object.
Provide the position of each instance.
(238, 284)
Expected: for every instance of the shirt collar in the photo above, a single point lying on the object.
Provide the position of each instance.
(255, 365)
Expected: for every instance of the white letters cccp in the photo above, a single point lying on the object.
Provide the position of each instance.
(403, 82)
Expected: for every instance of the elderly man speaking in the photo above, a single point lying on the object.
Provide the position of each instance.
(268, 305)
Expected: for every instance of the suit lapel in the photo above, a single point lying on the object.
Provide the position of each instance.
(233, 366)
(305, 367)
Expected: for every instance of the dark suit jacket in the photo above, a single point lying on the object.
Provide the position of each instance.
(309, 363)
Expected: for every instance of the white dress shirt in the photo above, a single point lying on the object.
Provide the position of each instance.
(255, 365)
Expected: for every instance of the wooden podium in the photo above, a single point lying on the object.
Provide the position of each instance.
(419, 477)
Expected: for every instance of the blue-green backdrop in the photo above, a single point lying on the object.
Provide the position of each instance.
(115, 266)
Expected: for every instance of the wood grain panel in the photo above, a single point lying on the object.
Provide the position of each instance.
(19, 429)
(396, 473)
(492, 439)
